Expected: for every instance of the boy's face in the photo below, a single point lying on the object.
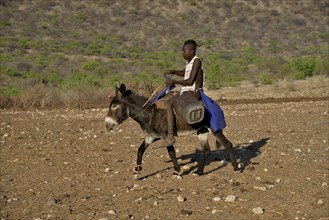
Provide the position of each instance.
(187, 52)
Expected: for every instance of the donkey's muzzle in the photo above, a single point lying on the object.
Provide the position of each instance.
(110, 123)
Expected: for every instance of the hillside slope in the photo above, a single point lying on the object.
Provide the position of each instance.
(87, 43)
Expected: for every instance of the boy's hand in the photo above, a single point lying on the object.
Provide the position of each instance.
(170, 82)
(168, 72)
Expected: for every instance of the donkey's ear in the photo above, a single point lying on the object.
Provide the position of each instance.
(121, 90)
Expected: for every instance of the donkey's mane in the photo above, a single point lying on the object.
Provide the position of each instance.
(138, 99)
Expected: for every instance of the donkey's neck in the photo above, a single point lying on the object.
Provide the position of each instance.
(136, 111)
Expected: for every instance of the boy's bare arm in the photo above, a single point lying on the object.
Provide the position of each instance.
(191, 79)
(179, 72)
(175, 72)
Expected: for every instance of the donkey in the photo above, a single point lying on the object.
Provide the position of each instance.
(127, 104)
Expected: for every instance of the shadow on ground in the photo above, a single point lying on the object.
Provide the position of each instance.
(243, 152)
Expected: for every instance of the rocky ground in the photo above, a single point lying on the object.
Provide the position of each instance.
(64, 164)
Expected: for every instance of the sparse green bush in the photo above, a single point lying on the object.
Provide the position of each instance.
(26, 43)
(10, 91)
(265, 78)
(7, 71)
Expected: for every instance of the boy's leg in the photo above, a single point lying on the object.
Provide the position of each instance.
(170, 124)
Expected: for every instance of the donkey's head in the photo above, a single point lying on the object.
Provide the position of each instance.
(118, 109)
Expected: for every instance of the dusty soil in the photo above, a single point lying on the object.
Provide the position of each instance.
(64, 164)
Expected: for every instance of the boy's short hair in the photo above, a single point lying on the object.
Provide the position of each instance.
(192, 44)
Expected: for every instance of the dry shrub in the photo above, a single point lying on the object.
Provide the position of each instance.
(81, 98)
(32, 97)
(5, 102)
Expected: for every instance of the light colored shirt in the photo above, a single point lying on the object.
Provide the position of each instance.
(188, 69)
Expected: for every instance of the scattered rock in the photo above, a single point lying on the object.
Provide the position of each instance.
(185, 167)
(181, 198)
(258, 210)
(324, 184)
(214, 211)
(262, 188)
(216, 199)
(320, 202)
(230, 198)
(155, 203)
(250, 168)
(107, 170)
(186, 212)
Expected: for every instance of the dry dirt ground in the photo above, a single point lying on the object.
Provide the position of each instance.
(64, 164)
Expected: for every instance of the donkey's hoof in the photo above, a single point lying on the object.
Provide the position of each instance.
(198, 173)
(237, 170)
(138, 168)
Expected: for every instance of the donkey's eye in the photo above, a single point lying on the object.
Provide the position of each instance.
(114, 105)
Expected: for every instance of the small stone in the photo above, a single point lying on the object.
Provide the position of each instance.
(107, 170)
(181, 198)
(298, 150)
(258, 210)
(216, 199)
(320, 202)
(214, 211)
(278, 180)
(185, 167)
(103, 219)
(155, 203)
(179, 177)
(266, 170)
(186, 212)
(158, 176)
(258, 178)
(250, 168)
(324, 184)
(262, 188)
(230, 198)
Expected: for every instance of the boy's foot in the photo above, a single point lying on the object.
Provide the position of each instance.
(170, 140)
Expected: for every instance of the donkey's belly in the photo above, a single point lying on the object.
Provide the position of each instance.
(186, 133)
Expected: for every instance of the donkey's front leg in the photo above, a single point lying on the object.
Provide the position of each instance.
(172, 155)
(140, 152)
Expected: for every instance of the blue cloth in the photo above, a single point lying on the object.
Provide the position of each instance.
(214, 113)
(162, 93)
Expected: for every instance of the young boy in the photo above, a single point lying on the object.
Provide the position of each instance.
(192, 82)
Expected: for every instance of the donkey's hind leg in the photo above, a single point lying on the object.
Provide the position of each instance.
(203, 138)
(229, 147)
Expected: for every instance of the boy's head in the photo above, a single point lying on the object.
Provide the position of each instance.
(191, 44)
(189, 49)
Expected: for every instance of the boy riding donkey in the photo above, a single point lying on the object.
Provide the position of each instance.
(192, 86)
